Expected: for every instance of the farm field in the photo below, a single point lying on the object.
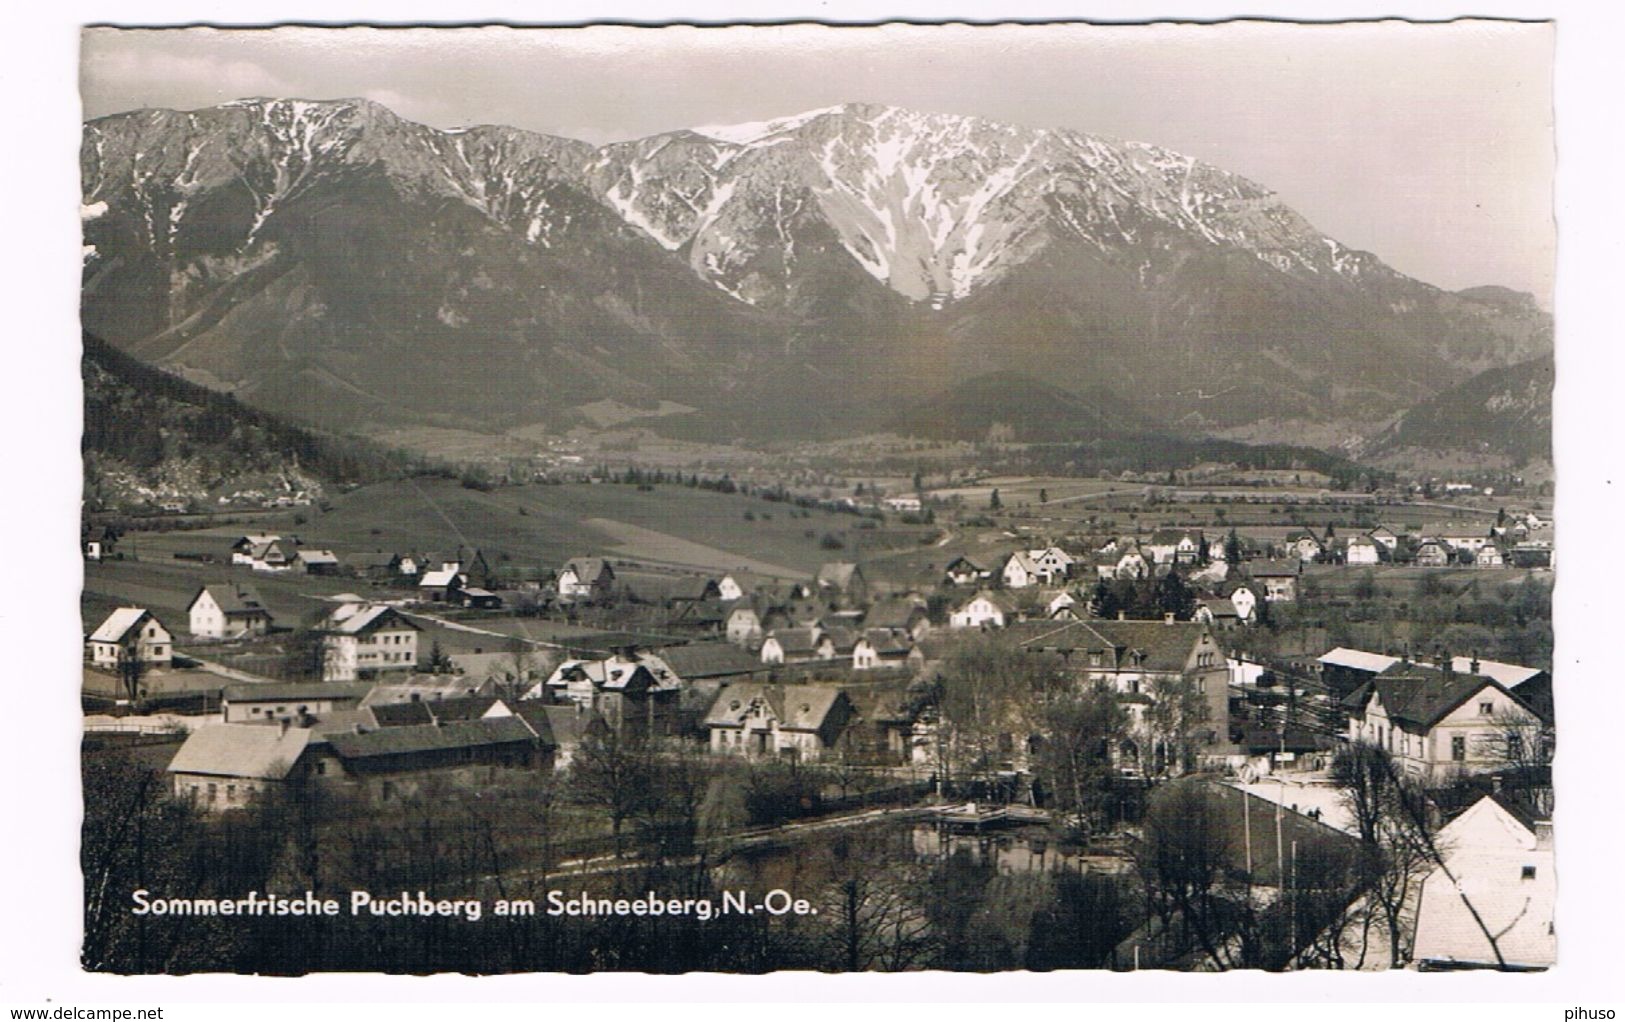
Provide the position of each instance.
(544, 525)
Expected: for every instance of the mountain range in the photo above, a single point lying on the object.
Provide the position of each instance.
(832, 272)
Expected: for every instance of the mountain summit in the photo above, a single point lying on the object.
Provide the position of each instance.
(773, 274)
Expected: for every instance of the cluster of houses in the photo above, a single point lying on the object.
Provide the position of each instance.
(1509, 545)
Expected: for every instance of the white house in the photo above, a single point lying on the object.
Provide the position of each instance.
(986, 609)
(129, 634)
(1051, 564)
(881, 648)
(1362, 550)
(790, 721)
(1246, 604)
(1386, 536)
(797, 645)
(1440, 724)
(228, 610)
(1501, 862)
(1018, 571)
(368, 637)
(586, 578)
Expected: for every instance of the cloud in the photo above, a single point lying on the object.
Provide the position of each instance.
(116, 79)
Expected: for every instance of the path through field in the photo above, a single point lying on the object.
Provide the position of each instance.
(634, 541)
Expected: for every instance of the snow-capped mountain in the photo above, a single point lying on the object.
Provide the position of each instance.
(297, 250)
(931, 205)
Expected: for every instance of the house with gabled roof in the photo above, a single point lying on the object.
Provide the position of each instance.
(989, 608)
(362, 638)
(1018, 571)
(1217, 612)
(396, 762)
(1386, 536)
(841, 580)
(742, 622)
(802, 722)
(129, 634)
(1501, 862)
(881, 648)
(225, 766)
(629, 689)
(1175, 546)
(1304, 545)
(1052, 564)
(228, 610)
(586, 578)
(796, 645)
(903, 613)
(962, 571)
(315, 562)
(1434, 553)
(242, 550)
(438, 585)
(1143, 661)
(1279, 579)
(1363, 550)
(1439, 724)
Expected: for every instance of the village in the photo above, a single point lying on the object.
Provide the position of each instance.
(1068, 684)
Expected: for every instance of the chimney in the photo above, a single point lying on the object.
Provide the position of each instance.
(282, 725)
(1543, 835)
(1473, 664)
(1167, 617)
(1122, 616)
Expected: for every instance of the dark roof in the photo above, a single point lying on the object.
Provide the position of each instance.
(460, 707)
(374, 560)
(797, 640)
(1167, 646)
(709, 660)
(894, 612)
(401, 714)
(234, 598)
(795, 707)
(1260, 569)
(397, 741)
(558, 724)
(1420, 699)
(313, 690)
(888, 641)
(588, 569)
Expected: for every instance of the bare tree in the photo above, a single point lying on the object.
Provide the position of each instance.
(1521, 745)
(1074, 760)
(1392, 856)
(1192, 887)
(989, 687)
(520, 668)
(880, 920)
(611, 770)
(1177, 715)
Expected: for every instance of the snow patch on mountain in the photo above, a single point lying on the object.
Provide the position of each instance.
(756, 131)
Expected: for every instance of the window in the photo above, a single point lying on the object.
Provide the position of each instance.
(1458, 748)
(1529, 872)
(1486, 709)
(1515, 747)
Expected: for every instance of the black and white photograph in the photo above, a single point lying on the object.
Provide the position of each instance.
(690, 502)
(757, 498)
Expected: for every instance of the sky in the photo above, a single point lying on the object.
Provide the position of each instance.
(1428, 144)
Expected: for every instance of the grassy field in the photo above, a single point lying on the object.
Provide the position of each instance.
(544, 525)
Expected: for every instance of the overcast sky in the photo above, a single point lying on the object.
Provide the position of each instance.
(1430, 145)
